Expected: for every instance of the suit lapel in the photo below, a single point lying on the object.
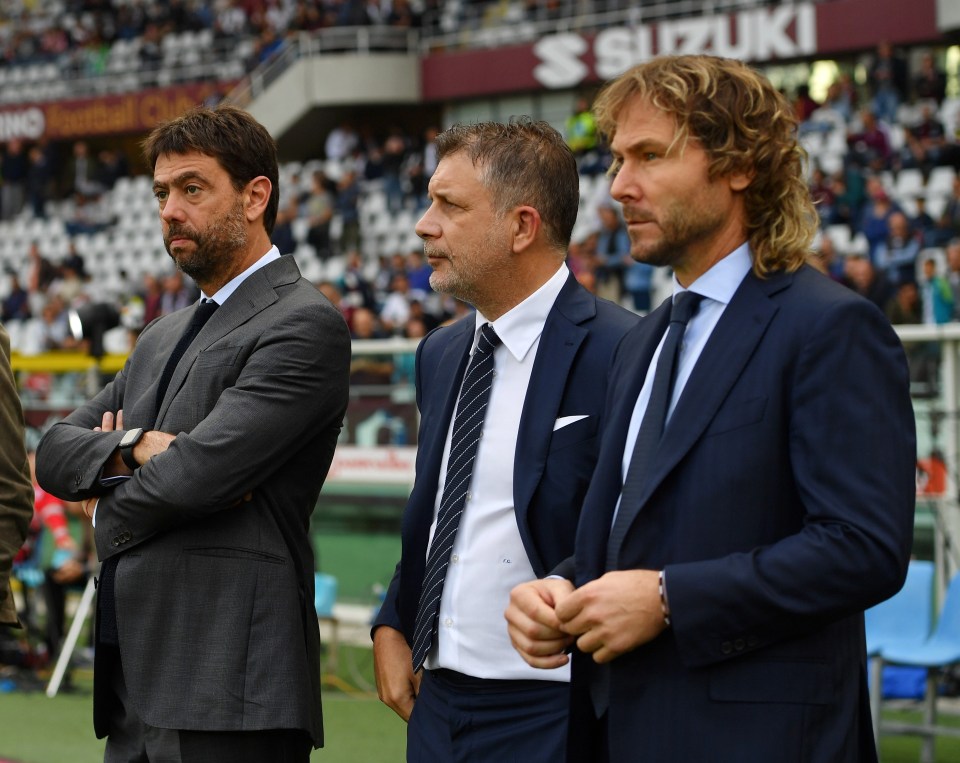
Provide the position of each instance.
(626, 381)
(726, 354)
(559, 344)
(446, 376)
(255, 294)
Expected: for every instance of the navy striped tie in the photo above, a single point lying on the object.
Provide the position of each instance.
(467, 428)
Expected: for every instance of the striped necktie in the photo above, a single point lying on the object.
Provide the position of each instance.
(467, 429)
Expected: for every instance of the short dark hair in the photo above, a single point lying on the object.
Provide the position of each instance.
(241, 145)
(522, 162)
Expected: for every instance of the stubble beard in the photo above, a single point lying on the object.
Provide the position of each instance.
(476, 273)
(211, 256)
(681, 227)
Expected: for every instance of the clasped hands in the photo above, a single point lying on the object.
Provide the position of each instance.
(606, 617)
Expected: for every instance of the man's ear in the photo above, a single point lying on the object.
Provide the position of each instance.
(740, 181)
(526, 227)
(256, 197)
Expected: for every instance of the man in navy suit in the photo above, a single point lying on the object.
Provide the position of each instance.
(504, 200)
(722, 567)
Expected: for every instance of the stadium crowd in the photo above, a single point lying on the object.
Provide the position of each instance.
(865, 143)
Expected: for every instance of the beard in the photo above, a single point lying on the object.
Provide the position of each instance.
(680, 227)
(471, 274)
(211, 255)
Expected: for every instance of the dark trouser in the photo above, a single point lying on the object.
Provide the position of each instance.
(460, 718)
(133, 741)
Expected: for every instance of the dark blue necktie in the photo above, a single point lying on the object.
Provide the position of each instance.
(467, 427)
(684, 307)
(201, 314)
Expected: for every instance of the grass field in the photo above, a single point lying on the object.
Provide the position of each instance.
(35, 729)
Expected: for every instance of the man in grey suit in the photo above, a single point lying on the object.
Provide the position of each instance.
(207, 641)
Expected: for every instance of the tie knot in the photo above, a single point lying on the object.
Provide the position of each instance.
(488, 339)
(684, 306)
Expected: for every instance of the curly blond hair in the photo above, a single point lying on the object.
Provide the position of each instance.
(745, 126)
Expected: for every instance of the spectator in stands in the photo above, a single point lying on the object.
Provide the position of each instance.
(865, 279)
(319, 207)
(922, 223)
(904, 308)
(887, 82)
(393, 158)
(897, 254)
(176, 294)
(81, 173)
(831, 116)
(16, 305)
(366, 369)
(341, 142)
(111, 166)
(924, 142)
(828, 260)
(821, 191)
(395, 310)
(612, 252)
(874, 220)
(356, 288)
(347, 207)
(151, 295)
(14, 169)
(41, 272)
(282, 236)
(418, 272)
(581, 129)
(948, 227)
(936, 295)
(929, 83)
(804, 105)
(64, 564)
(39, 177)
(870, 145)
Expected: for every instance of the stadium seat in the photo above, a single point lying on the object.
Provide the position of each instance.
(936, 654)
(905, 617)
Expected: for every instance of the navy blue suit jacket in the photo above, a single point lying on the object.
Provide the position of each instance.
(552, 469)
(781, 506)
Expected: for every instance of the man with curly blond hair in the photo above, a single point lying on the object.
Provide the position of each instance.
(755, 485)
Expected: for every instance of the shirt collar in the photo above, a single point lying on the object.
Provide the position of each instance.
(521, 326)
(721, 281)
(223, 294)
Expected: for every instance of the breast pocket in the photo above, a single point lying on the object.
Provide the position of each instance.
(573, 434)
(737, 415)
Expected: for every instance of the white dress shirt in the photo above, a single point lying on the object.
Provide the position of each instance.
(488, 557)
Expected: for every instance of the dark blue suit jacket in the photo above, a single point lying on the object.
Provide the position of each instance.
(780, 506)
(552, 469)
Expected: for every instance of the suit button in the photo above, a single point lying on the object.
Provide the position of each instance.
(752, 641)
(726, 647)
(739, 644)
(116, 540)
(127, 536)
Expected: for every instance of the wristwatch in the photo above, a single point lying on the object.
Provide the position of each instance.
(130, 439)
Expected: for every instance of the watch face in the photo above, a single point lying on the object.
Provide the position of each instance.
(131, 437)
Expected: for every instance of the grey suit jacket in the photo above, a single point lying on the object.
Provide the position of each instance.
(16, 493)
(214, 594)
